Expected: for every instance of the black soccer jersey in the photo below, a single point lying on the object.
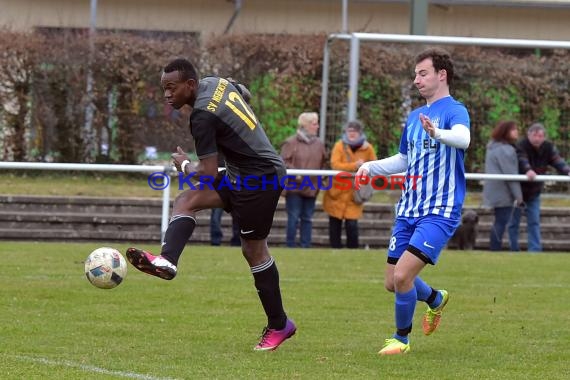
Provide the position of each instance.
(222, 122)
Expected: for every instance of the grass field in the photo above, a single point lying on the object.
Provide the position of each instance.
(507, 318)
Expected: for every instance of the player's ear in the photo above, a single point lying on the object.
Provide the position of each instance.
(192, 83)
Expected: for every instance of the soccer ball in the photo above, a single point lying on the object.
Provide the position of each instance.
(105, 268)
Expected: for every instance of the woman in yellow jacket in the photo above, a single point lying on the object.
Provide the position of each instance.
(351, 151)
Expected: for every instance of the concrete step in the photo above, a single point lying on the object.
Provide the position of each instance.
(91, 205)
(138, 220)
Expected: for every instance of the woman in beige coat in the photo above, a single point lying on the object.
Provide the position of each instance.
(304, 150)
(351, 151)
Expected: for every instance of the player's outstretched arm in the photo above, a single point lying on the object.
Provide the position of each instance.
(458, 136)
(395, 164)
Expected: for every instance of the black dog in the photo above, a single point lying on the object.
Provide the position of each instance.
(466, 234)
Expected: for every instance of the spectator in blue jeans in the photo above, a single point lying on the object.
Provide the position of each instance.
(216, 234)
(502, 196)
(535, 155)
(304, 150)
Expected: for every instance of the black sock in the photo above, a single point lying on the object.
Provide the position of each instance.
(404, 332)
(432, 296)
(266, 279)
(179, 231)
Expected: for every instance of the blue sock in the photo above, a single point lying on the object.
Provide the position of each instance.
(423, 289)
(403, 339)
(405, 306)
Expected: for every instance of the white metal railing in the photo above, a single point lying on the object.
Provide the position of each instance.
(103, 168)
(170, 170)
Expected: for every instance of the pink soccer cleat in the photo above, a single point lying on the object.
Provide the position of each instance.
(271, 338)
(148, 263)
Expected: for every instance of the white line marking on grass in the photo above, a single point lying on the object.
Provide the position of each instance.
(552, 285)
(88, 368)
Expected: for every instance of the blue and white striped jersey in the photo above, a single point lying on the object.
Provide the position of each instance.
(435, 177)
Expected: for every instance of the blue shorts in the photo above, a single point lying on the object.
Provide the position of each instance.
(424, 236)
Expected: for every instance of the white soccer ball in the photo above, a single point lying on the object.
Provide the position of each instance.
(105, 268)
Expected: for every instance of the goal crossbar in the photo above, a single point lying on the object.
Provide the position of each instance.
(354, 63)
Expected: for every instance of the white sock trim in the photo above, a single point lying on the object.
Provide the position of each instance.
(176, 217)
(264, 266)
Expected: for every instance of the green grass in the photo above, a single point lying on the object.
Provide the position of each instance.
(507, 318)
(79, 184)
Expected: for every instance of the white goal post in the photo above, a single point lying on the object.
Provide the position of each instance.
(354, 59)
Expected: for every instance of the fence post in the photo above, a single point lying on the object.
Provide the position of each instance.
(165, 206)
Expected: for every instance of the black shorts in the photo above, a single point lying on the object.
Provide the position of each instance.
(253, 210)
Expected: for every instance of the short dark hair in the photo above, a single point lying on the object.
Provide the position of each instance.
(501, 131)
(536, 127)
(441, 61)
(184, 67)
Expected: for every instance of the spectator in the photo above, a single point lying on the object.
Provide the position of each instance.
(304, 150)
(216, 233)
(502, 196)
(535, 154)
(348, 154)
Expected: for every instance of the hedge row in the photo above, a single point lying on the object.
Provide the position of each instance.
(44, 91)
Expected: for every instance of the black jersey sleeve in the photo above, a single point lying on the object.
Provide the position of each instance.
(203, 125)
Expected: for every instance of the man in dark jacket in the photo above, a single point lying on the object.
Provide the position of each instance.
(535, 154)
